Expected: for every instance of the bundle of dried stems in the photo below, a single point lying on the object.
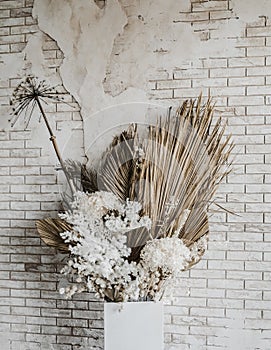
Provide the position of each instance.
(178, 166)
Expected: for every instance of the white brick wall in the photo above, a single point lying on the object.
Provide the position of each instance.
(225, 301)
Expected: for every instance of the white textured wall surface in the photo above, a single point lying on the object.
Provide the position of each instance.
(114, 60)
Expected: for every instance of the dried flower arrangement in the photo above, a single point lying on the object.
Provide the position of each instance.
(139, 220)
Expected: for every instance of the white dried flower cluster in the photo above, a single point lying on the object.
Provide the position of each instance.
(99, 253)
(162, 259)
(98, 244)
(169, 255)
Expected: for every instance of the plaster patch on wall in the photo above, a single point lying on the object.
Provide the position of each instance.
(85, 35)
(250, 10)
(236, 333)
(150, 41)
(118, 48)
(110, 54)
(158, 35)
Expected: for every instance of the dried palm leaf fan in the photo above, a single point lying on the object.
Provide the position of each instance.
(182, 162)
(49, 230)
(178, 166)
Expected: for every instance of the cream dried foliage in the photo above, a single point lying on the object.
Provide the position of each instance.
(178, 166)
(184, 160)
(49, 230)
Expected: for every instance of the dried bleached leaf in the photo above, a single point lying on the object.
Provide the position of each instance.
(185, 158)
(49, 230)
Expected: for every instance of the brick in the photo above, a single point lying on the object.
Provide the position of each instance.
(246, 101)
(49, 339)
(4, 48)
(50, 45)
(11, 180)
(79, 341)
(4, 5)
(4, 30)
(25, 153)
(4, 13)
(29, 3)
(259, 31)
(172, 84)
(162, 94)
(42, 161)
(11, 144)
(258, 51)
(21, 12)
(255, 71)
(262, 324)
(191, 301)
(246, 255)
(189, 74)
(21, 258)
(192, 16)
(212, 5)
(26, 311)
(263, 207)
(24, 188)
(212, 312)
(17, 47)
(11, 39)
(56, 330)
(73, 304)
(261, 304)
(251, 41)
(258, 129)
(25, 170)
(260, 168)
(25, 328)
(246, 178)
(246, 81)
(208, 293)
(215, 63)
(41, 285)
(6, 22)
(211, 82)
(20, 135)
(248, 139)
(246, 62)
(187, 93)
(225, 303)
(41, 179)
(231, 188)
(227, 91)
(220, 14)
(4, 171)
(72, 322)
(227, 72)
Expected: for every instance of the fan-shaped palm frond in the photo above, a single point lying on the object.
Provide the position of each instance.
(118, 172)
(49, 230)
(184, 159)
(85, 179)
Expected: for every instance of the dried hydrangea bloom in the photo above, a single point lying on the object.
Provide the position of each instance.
(99, 254)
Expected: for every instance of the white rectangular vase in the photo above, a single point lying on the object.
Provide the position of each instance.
(133, 326)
